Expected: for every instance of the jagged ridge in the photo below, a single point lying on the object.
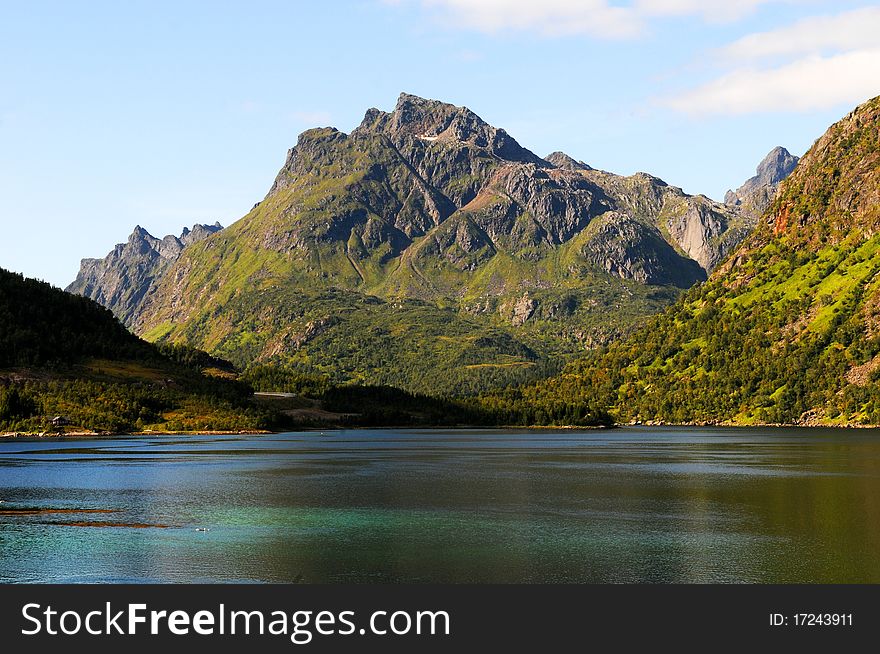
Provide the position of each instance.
(123, 279)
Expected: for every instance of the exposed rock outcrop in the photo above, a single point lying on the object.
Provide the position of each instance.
(757, 193)
(126, 276)
(562, 160)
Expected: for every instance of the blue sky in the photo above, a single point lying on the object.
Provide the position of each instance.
(168, 113)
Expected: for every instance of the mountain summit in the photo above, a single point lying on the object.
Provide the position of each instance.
(126, 276)
(429, 233)
(757, 193)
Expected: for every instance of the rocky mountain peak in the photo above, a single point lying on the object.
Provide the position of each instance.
(427, 119)
(757, 193)
(122, 279)
(198, 232)
(566, 162)
(431, 121)
(776, 166)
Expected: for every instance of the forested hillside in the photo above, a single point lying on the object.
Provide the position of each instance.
(65, 356)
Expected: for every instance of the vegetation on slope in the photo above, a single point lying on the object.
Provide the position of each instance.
(788, 331)
(64, 355)
(318, 403)
(41, 325)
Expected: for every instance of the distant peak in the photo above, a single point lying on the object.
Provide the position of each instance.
(426, 117)
(405, 100)
(756, 192)
(139, 233)
(566, 162)
(420, 119)
(778, 152)
(203, 227)
(198, 232)
(776, 166)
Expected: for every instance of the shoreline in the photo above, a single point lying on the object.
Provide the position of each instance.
(6, 436)
(84, 434)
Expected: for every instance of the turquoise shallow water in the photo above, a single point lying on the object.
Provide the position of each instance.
(626, 505)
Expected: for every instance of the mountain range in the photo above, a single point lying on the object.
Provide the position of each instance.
(431, 251)
(785, 329)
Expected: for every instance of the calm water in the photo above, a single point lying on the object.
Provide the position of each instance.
(628, 505)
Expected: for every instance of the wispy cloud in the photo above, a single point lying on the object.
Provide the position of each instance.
(848, 31)
(816, 63)
(547, 17)
(595, 18)
(804, 85)
(712, 11)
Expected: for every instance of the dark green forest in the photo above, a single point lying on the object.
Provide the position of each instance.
(40, 325)
(64, 355)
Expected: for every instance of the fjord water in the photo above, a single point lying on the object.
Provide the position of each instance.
(625, 505)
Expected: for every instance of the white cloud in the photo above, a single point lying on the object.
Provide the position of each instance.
(848, 31)
(714, 11)
(597, 18)
(808, 84)
(546, 17)
(815, 63)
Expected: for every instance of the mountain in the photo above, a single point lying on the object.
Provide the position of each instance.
(785, 331)
(758, 192)
(64, 355)
(123, 279)
(430, 250)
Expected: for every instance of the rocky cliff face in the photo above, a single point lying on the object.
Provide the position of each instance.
(757, 193)
(123, 279)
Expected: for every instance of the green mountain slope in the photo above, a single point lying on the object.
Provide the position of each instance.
(786, 331)
(429, 250)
